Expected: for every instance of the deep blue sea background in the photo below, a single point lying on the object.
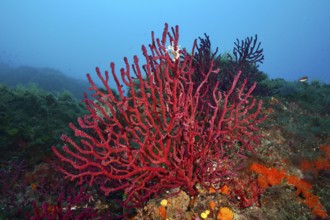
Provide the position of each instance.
(75, 36)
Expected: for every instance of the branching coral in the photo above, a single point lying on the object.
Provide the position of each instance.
(161, 135)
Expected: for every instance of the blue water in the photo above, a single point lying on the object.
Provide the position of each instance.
(75, 36)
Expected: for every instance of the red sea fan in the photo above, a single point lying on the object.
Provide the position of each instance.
(158, 137)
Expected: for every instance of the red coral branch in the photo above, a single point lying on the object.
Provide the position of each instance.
(156, 137)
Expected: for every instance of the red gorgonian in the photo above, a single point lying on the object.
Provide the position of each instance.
(161, 135)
